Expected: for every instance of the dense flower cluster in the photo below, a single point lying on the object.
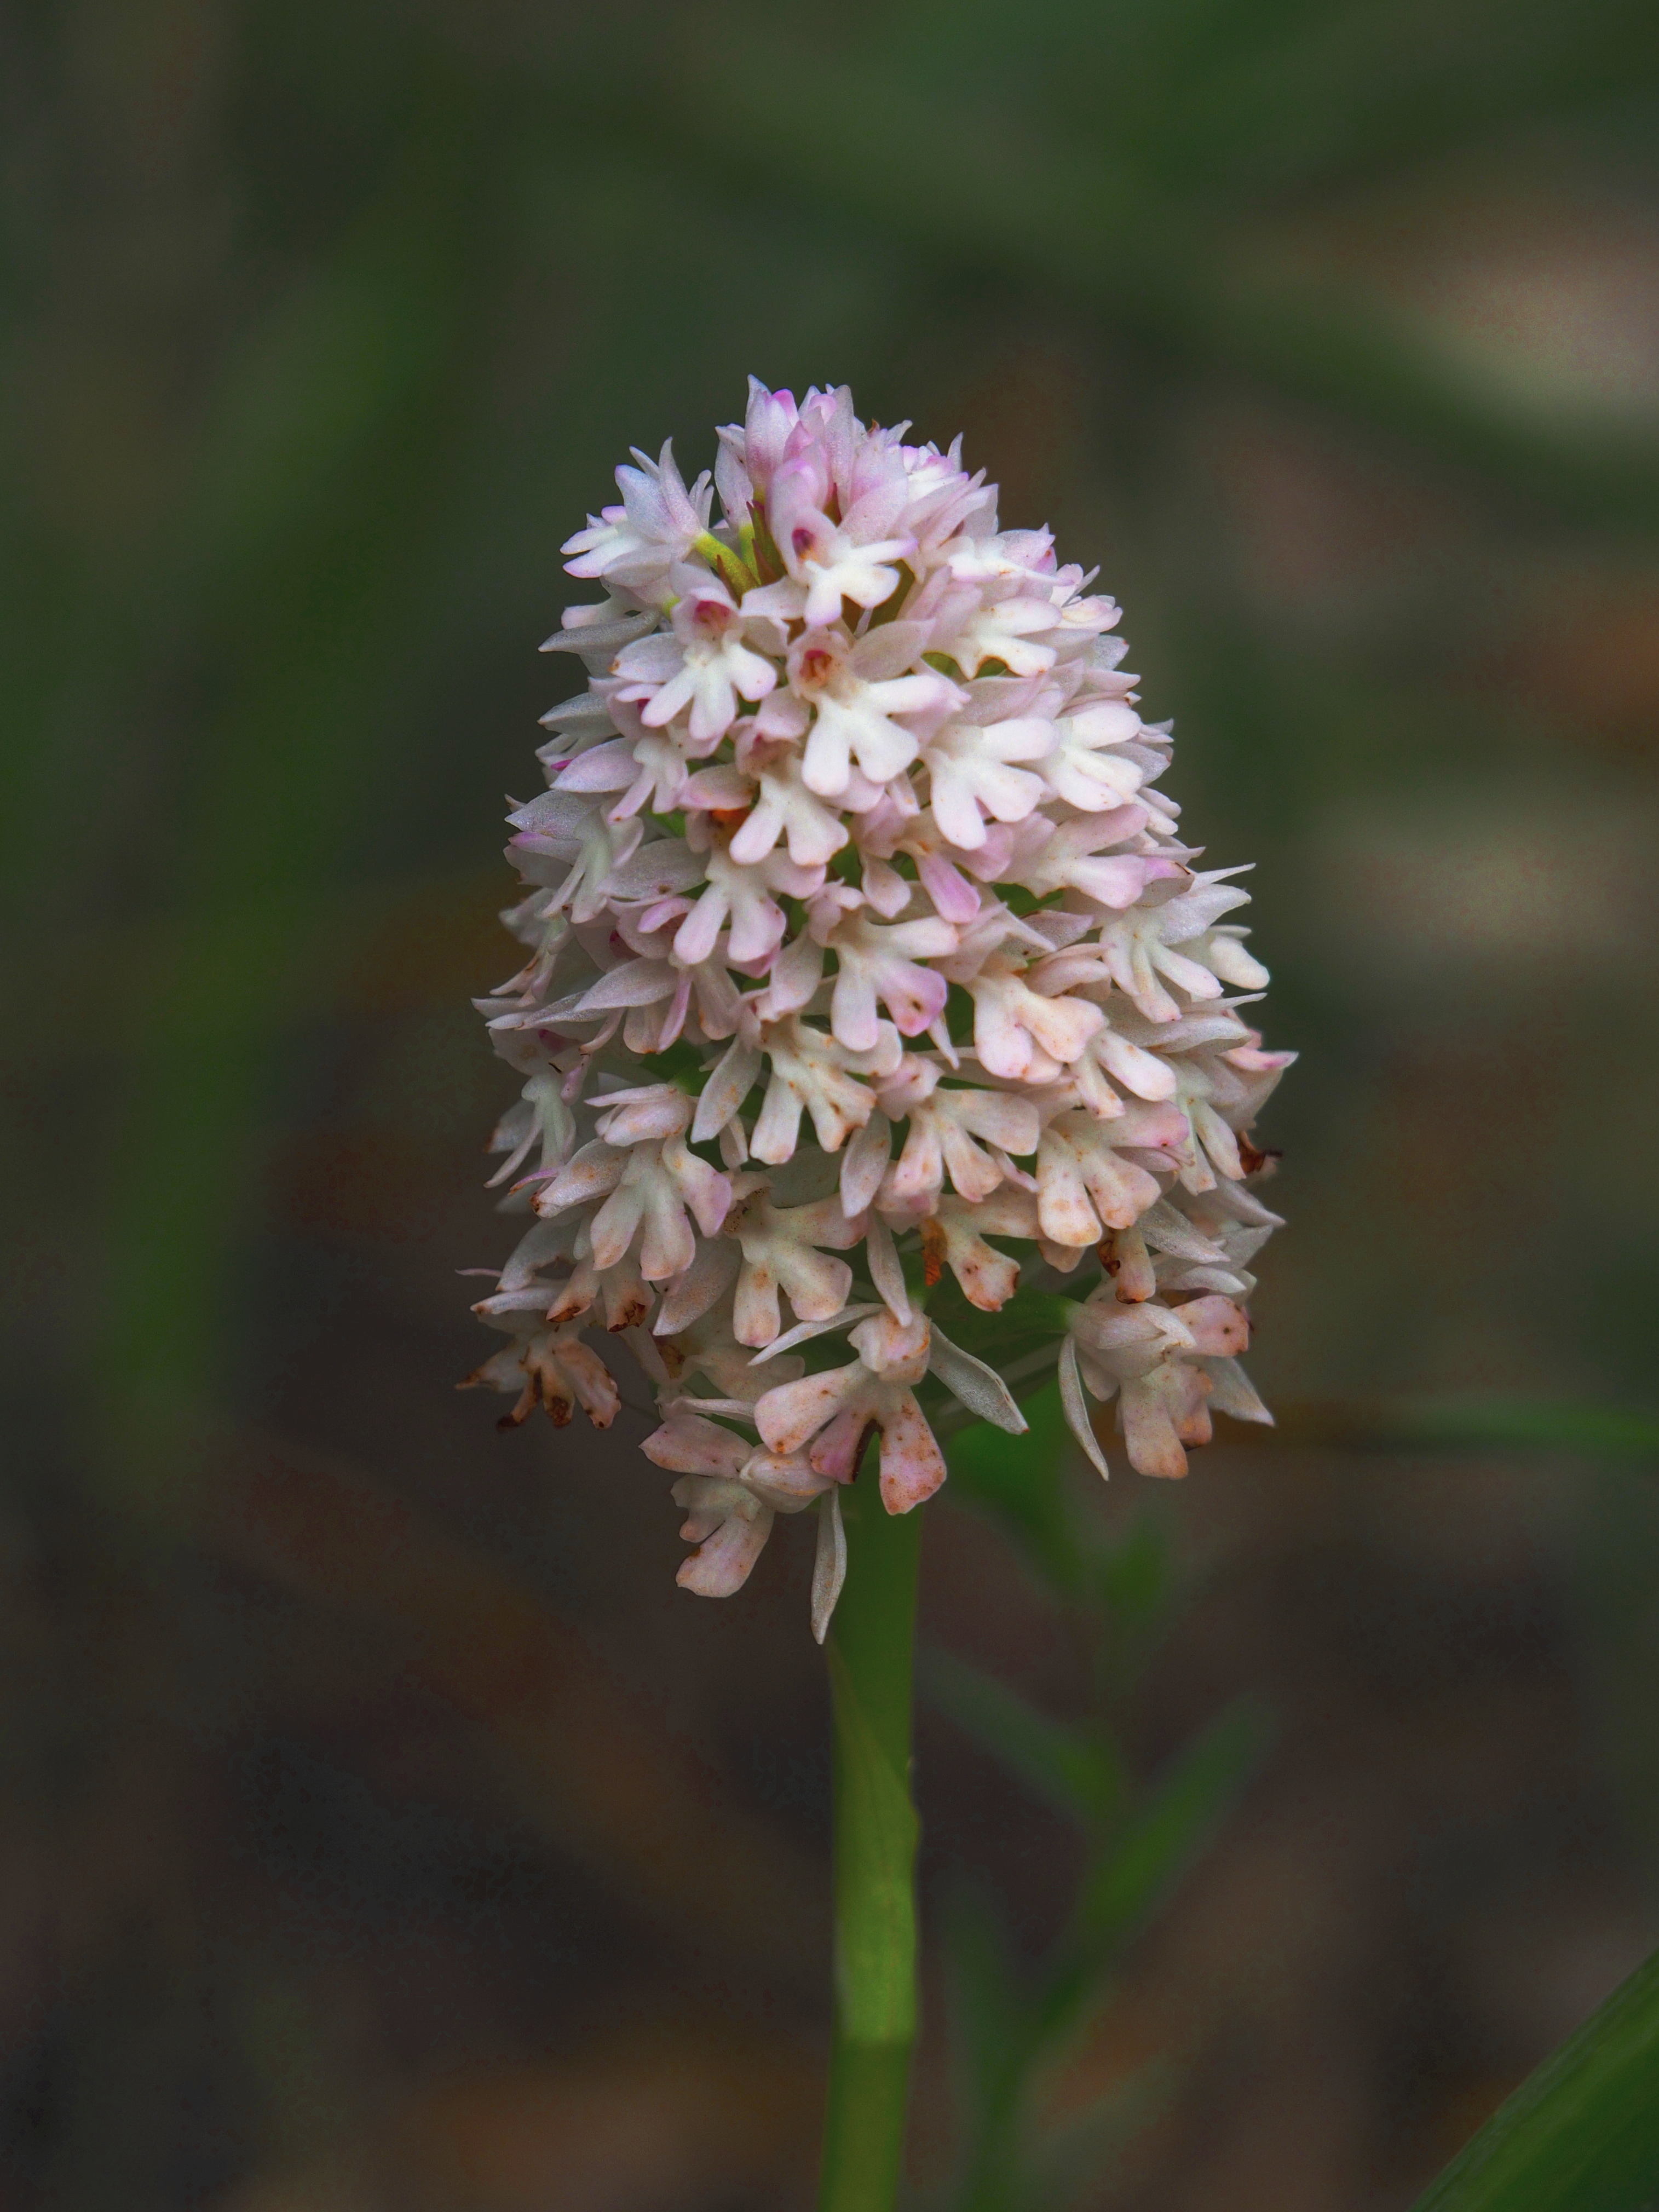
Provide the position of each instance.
(855, 832)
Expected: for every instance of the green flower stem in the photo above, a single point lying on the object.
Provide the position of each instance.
(871, 1655)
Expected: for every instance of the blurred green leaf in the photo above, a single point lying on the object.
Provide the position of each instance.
(1580, 2135)
(1600, 1431)
(322, 482)
(1136, 1577)
(1079, 1777)
(1472, 1422)
(1064, 2166)
(1282, 96)
(1009, 2032)
(1181, 1810)
(992, 2031)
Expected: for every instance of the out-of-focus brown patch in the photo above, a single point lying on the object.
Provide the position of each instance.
(430, 944)
(1323, 525)
(355, 1181)
(1031, 408)
(313, 2190)
(688, 2113)
(704, 2114)
(1592, 656)
(1468, 2109)
(582, 1757)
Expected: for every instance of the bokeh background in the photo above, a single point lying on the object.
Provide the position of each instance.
(382, 1831)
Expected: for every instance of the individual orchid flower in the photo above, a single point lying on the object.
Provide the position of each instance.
(783, 1251)
(647, 1182)
(879, 965)
(970, 774)
(1087, 766)
(1221, 1090)
(1154, 1358)
(540, 1119)
(943, 1125)
(832, 1412)
(572, 827)
(1085, 1183)
(831, 562)
(817, 1075)
(546, 1366)
(783, 807)
(702, 664)
(745, 898)
(1001, 560)
(1074, 856)
(1079, 620)
(1111, 1063)
(1012, 630)
(647, 771)
(1141, 947)
(1019, 1031)
(953, 1236)
(634, 547)
(730, 1495)
(750, 455)
(855, 689)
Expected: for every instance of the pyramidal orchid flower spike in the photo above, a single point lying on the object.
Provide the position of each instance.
(870, 991)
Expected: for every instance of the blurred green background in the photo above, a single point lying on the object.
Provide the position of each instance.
(379, 1826)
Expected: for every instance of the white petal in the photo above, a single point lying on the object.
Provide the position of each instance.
(864, 1163)
(803, 1329)
(829, 1567)
(980, 1387)
(636, 983)
(1169, 1230)
(1233, 1392)
(690, 1295)
(1075, 1406)
(881, 1254)
(726, 1090)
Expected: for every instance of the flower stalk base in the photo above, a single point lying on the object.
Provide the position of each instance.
(870, 1653)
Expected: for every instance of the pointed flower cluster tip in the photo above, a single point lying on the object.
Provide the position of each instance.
(869, 986)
